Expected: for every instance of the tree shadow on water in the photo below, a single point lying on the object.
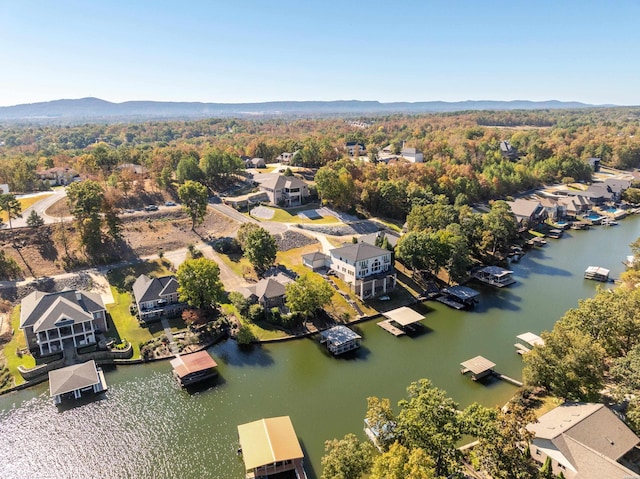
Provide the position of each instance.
(230, 353)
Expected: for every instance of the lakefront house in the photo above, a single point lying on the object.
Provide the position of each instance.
(51, 321)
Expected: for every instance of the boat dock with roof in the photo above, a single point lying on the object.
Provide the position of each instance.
(401, 320)
(72, 381)
(458, 297)
(480, 367)
(340, 339)
(597, 273)
(530, 340)
(495, 276)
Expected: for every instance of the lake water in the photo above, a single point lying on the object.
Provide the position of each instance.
(146, 426)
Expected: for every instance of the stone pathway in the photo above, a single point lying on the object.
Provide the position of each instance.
(173, 345)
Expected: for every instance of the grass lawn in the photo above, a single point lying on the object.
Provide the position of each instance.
(262, 330)
(18, 341)
(238, 263)
(25, 203)
(291, 216)
(126, 325)
(157, 268)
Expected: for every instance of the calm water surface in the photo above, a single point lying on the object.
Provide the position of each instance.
(145, 426)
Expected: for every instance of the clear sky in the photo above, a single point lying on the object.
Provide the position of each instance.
(247, 51)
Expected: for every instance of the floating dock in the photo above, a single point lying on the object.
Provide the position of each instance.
(390, 328)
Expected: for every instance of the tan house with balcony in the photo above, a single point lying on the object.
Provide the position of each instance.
(284, 190)
(51, 321)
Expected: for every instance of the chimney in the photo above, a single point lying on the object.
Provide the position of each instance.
(78, 295)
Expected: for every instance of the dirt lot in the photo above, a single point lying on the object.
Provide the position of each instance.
(146, 233)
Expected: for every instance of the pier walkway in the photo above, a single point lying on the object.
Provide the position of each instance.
(390, 328)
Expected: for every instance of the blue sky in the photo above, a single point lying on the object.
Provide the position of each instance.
(247, 51)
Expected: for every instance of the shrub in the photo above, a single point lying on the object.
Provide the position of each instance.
(245, 335)
(255, 313)
(128, 281)
(240, 302)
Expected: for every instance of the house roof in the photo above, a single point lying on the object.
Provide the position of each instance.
(409, 151)
(532, 339)
(277, 182)
(267, 441)
(150, 289)
(496, 271)
(392, 237)
(267, 288)
(316, 256)
(74, 377)
(478, 365)
(185, 364)
(589, 436)
(36, 306)
(524, 208)
(462, 292)
(339, 335)
(403, 316)
(358, 252)
(61, 310)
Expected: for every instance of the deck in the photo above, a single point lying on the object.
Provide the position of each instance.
(521, 349)
(450, 302)
(390, 328)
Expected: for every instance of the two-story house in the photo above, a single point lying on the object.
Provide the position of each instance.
(528, 213)
(156, 297)
(368, 269)
(57, 176)
(284, 190)
(51, 321)
(585, 441)
(355, 148)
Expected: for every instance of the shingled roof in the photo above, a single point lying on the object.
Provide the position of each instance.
(47, 308)
(150, 289)
(358, 252)
(71, 378)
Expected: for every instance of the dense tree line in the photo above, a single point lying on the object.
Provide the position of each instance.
(420, 440)
(461, 150)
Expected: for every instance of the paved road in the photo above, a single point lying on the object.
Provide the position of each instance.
(271, 226)
(40, 207)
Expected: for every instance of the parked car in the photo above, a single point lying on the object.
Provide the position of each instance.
(151, 208)
(170, 203)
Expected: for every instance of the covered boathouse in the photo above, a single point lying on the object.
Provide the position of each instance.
(400, 320)
(340, 339)
(458, 297)
(479, 367)
(72, 381)
(270, 446)
(194, 367)
(495, 276)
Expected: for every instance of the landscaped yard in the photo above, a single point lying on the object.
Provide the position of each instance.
(126, 325)
(17, 342)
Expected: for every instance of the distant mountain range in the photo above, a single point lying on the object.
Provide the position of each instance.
(84, 109)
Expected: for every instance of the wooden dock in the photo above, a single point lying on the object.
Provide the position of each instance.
(521, 349)
(449, 302)
(390, 328)
(515, 382)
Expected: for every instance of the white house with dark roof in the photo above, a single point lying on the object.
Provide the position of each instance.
(284, 190)
(52, 320)
(368, 269)
(156, 297)
(585, 441)
(355, 148)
